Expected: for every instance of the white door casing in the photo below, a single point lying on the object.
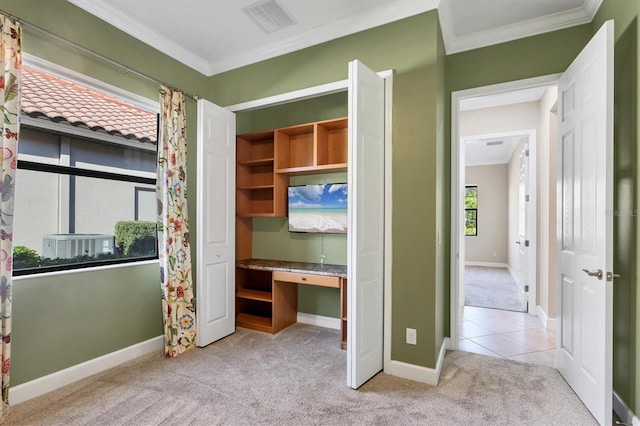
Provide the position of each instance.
(365, 239)
(215, 261)
(585, 224)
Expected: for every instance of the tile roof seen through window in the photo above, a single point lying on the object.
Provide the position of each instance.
(63, 101)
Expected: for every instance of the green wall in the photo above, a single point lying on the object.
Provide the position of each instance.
(626, 298)
(410, 48)
(60, 320)
(64, 319)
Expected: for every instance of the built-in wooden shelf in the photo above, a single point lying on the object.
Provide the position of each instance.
(254, 322)
(264, 296)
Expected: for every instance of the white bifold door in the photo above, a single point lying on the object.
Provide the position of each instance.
(585, 219)
(215, 285)
(365, 239)
(216, 212)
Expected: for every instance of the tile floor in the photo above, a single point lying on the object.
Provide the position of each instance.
(505, 334)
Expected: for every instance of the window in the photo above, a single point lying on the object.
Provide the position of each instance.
(86, 178)
(471, 210)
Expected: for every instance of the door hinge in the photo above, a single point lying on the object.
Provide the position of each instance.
(526, 153)
(526, 198)
(612, 275)
(526, 243)
(526, 288)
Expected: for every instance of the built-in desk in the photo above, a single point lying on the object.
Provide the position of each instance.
(267, 292)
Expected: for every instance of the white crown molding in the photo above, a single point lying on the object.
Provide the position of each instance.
(372, 18)
(146, 35)
(518, 30)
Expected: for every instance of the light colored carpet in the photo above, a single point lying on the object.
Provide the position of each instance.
(298, 378)
(487, 287)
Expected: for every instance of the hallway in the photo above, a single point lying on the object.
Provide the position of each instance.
(506, 334)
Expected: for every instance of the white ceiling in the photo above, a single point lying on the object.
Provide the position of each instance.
(490, 151)
(212, 36)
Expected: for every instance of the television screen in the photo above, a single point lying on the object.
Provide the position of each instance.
(318, 208)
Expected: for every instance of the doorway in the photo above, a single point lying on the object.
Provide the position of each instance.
(503, 281)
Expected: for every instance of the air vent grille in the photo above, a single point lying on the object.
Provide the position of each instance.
(269, 16)
(495, 143)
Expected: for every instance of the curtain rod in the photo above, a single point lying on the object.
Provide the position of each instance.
(96, 54)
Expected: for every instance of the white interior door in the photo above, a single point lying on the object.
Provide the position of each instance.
(523, 226)
(365, 240)
(216, 240)
(585, 237)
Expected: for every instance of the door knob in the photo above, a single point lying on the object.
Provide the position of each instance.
(597, 273)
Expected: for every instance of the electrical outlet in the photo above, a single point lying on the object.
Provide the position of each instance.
(411, 336)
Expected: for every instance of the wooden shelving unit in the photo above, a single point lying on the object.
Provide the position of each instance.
(260, 192)
(265, 161)
(312, 148)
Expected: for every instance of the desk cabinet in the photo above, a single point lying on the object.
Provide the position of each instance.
(267, 292)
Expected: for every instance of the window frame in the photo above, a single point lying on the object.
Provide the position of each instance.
(471, 209)
(45, 126)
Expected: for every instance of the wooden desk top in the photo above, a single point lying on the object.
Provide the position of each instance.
(299, 267)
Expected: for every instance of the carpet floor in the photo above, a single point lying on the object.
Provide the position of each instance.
(489, 287)
(297, 377)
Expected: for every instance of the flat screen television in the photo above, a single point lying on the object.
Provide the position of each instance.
(318, 208)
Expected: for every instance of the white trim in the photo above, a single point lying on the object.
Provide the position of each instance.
(486, 264)
(92, 83)
(388, 210)
(624, 412)
(373, 17)
(302, 94)
(418, 373)
(517, 30)
(83, 270)
(513, 275)
(457, 185)
(296, 95)
(53, 381)
(319, 320)
(549, 323)
(135, 29)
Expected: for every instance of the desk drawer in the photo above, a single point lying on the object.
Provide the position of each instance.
(311, 279)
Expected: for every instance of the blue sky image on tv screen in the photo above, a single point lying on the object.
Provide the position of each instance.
(318, 208)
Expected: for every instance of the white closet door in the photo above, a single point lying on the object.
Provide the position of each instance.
(216, 240)
(365, 238)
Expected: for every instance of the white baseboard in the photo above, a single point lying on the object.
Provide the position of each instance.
(53, 381)
(549, 323)
(319, 320)
(622, 410)
(486, 264)
(430, 376)
(515, 276)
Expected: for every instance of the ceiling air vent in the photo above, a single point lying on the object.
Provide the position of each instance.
(269, 16)
(494, 143)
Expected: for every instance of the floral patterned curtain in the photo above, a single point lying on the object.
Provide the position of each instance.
(11, 52)
(173, 230)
